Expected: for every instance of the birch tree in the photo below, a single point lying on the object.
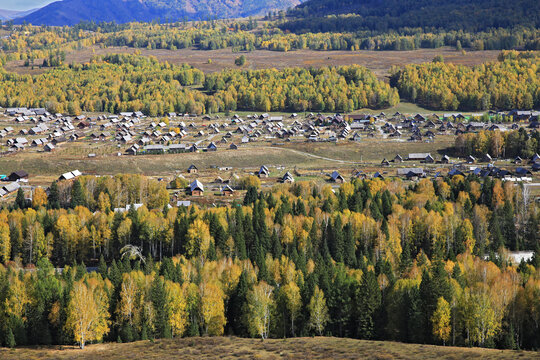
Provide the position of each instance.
(87, 315)
(260, 304)
(318, 311)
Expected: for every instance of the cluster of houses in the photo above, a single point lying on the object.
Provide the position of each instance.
(14, 182)
(518, 174)
(45, 130)
(151, 136)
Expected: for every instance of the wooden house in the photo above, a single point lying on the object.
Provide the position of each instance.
(196, 188)
(337, 178)
(263, 172)
(227, 191)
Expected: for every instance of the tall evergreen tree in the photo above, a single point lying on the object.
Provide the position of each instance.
(368, 304)
(77, 195)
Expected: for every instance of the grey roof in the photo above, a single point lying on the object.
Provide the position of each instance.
(335, 175)
(196, 185)
(405, 171)
(418, 156)
(14, 186)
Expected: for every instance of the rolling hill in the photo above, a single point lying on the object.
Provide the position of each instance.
(69, 12)
(382, 15)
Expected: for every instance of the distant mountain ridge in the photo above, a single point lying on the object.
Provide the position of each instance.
(12, 14)
(70, 12)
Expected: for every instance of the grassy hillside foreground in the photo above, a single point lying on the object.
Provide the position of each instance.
(238, 348)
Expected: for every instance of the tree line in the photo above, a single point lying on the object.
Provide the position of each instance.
(31, 41)
(117, 83)
(351, 15)
(343, 89)
(510, 83)
(374, 260)
(506, 144)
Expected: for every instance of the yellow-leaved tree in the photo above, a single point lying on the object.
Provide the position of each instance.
(260, 304)
(212, 308)
(178, 308)
(5, 242)
(318, 312)
(87, 312)
(441, 320)
(39, 198)
(293, 301)
(198, 239)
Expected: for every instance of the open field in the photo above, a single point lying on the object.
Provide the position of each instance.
(344, 155)
(379, 62)
(238, 348)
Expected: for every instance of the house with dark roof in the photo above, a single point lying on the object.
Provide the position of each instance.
(192, 169)
(487, 158)
(287, 178)
(211, 147)
(410, 173)
(455, 172)
(337, 178)
(18, 175)
(263, 172)
(445, 159)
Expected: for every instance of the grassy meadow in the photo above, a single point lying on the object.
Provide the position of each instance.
(239, 348)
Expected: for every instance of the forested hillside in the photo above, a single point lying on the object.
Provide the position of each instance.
(374, 260)
(382, 15)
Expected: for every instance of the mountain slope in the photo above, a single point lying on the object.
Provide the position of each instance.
(470, 15)
(69, 12)
(12, 14)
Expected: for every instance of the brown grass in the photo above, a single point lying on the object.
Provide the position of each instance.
(237, 348)
(379, 62)
(315, 158)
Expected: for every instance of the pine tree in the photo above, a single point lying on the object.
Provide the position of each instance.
(102, 267)
(350, 247)
(251, 195)
(77, 195)
(9, 338)
(237, 306)
(369, 302)
(20, 202)
(238, 237)
(276, 246)
(159, 301)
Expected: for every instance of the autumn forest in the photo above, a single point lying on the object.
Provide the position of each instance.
(374, 260)
(335, 238)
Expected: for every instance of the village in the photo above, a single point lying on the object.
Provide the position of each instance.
(131, 134)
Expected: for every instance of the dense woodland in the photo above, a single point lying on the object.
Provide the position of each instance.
(33, 42)
(394, 14)
(499, 144)
(116, 83)
(330, 89)
(374, 260)
(513, 82)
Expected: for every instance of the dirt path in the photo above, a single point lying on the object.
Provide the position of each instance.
(312, 155)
